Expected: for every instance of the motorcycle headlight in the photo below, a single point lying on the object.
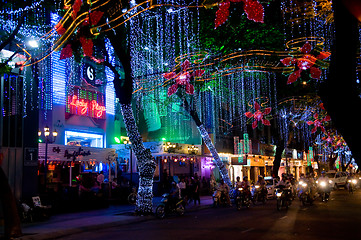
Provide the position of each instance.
(329, 181)
(301, 182)
(354, 181)
(323, 184)
(317, 181)
(257, 186)
(278, 194)
(304, 184)
(240, 189)
(349, 181)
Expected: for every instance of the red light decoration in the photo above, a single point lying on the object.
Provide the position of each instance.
(252, 8)
(259, 116)
(305, 58)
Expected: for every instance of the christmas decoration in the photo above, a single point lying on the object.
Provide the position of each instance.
(306, 58)
(82, 34)
(146, 163)
(252, 8)
(208, 142)
(259, 116)
(182, 79)
(318, 122)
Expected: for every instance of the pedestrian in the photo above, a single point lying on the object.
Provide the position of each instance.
(100, 178)
(195, 191)
(182, 189)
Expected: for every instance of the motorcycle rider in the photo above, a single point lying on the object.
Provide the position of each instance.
(223, 188)
(324, 178)
(262, 184)
(173, 194)
(245, 184)
(238, 182)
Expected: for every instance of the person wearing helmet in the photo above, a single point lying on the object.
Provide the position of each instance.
(245, 184)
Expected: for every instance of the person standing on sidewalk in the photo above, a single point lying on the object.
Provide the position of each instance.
(195, 190)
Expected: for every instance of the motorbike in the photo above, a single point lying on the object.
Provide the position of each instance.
(132, 197)
(304, 193)
(242, 199)
(258, 194)
(219, 198)
(324, 190)
(284, 197)
(351, 184)
(166, 207)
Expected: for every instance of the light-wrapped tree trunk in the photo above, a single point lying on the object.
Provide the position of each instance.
(145, 160)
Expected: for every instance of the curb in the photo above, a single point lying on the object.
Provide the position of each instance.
(71, 231)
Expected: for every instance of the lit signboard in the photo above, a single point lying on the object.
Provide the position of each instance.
(86, 103)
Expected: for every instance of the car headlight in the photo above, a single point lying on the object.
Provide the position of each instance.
(279, 194)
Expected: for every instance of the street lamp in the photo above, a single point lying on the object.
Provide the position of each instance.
(47, 141)
(128, 145)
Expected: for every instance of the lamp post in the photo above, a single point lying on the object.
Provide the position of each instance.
(128, 145)
(47, 141)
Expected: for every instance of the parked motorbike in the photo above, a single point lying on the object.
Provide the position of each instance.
(167, 207)
(284, 197)
(304, 193)
(324, 190)
(258, 194)
(242, 199)
(351, 184)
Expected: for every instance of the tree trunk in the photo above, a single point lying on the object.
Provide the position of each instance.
(146, 163)
(339, 91)
(12, 227)
(278, 157)
(145, 160)
(207, 141)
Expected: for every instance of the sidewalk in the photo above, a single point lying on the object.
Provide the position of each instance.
(72, 223)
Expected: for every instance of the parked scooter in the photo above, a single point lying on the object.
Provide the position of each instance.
(168, 206)
(284, 197)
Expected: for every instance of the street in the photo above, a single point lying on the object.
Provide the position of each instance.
(340, 218)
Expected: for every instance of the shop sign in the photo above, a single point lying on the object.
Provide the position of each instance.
(242, 160)
(86, 103)
(30, 157)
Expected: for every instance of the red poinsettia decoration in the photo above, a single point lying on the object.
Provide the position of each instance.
(252, 8)
(318, 122)
(182, 78)
(86, 41)
(308, 60)
(259, 115)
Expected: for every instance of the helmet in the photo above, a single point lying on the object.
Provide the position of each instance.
(323, 172)
(245, 178)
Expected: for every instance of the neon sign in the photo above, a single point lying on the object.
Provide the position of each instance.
(86, 103)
